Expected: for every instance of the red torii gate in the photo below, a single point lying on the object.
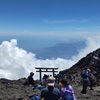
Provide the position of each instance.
(41, 69)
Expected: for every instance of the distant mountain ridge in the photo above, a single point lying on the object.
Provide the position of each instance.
(92, 61)
(61, 50)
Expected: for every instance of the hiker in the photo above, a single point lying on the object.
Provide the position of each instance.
(50, 92)
(30, 79)
(60, 76)
(67, 91)
(85, 79)
(44, 80)
(69, 77)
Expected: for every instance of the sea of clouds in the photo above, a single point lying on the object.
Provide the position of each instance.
(16, 62)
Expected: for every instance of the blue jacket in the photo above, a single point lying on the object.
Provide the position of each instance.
(54, 95)
(87, 73)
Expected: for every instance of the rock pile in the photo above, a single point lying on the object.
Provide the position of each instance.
(15, 90)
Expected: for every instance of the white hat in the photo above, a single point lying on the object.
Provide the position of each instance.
(51, 81)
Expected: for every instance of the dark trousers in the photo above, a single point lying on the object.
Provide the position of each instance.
(91, 84)
(85, 85)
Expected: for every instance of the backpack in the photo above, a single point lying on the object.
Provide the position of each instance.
(69, 97)
(84, 74)
(34, 97)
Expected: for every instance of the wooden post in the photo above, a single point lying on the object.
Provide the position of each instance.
(40, 75)
(53, 72)
(40, 70)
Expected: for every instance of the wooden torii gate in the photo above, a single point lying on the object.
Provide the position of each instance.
(41, 69)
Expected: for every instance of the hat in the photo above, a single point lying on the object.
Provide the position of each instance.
(89, 70)
(51, 81)
(64, 82)
(31, 73)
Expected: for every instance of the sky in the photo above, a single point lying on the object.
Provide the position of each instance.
(43, 22)
(50, 18)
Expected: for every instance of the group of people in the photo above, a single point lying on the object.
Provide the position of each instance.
(63, 91)
(57, 87)
(50, 89)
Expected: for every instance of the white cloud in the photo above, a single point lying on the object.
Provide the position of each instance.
(66, 21)
(16, 62)
(92, 44)
(83, 20)
(58, 21)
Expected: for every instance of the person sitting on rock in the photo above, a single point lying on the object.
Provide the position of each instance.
(67, 91)
(30, 79)
(44, 80)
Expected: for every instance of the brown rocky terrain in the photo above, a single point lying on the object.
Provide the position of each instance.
(14, 90)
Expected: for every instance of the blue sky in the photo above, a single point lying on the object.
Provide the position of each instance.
(50, 18)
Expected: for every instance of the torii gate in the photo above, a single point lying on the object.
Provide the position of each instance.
(41, 69)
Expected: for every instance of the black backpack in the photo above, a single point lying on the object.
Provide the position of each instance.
(84, 74)
(35, 97)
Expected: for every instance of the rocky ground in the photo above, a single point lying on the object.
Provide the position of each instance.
(14, 90)
(91, 94)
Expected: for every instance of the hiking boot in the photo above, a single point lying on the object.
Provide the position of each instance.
(83, 92)
(91, 89)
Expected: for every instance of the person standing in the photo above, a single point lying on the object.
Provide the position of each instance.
(85, 79)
